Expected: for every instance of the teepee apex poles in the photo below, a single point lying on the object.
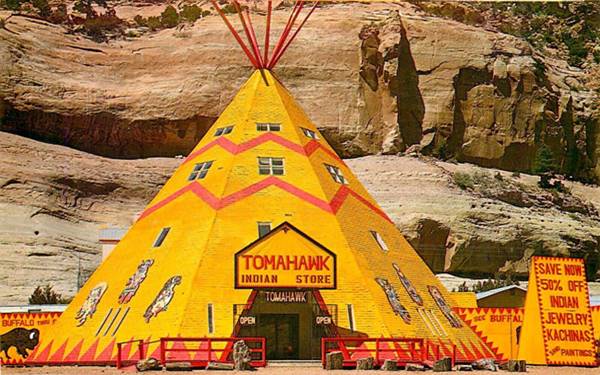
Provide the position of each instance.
(276, 58)
(282, 38)
(268, 31)
(251, 41)
(235, 35)
(258, 60)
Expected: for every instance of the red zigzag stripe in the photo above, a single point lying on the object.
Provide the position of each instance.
(235, 149)
(216, 203)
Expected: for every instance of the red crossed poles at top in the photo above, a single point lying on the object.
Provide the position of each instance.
(258, 60)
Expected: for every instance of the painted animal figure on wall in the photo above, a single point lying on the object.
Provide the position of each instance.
(88, 308)
(393, 299)
(444, 307)
(410, 289)
(162, 300)
(22, 339)
(134, 282)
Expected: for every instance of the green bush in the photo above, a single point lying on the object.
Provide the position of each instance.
(463, 180)
(440, 150)
(153, 23)
(544, 161)
(140, 21)
(577, 49)
(46, 296)
(11, 4)
(96, 27)
(191, 13)
(228, 9)
(597, 57)
(169, 17)
(42, 7)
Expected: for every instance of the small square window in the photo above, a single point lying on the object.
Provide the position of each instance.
(272, 166)
(264, 228)
(200, 171)
(379, 240)
(223, 131)
(161, 237)
(268, 126)
(336, 174)
(309, 133)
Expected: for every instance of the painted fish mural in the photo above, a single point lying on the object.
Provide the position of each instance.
(88, 308)
(134, 282)
(393, 299)
(163, 299)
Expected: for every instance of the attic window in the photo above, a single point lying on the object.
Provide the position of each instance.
(161, 237)
(223, 131)
(272, 166)
(268, 126)
(200, 170)
(264, 227)
(309, 133)
(336, 174)
(379, 240)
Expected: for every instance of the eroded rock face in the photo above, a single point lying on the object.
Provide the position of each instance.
(375, 78)
(54, 200)
(53, 203)
(479, 232)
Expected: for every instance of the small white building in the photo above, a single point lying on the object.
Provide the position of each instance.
(109, 238)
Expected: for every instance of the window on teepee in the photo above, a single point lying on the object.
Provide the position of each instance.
(264, 227)
(200, 170)
(350, 310)
(161, 237)
(223, 131)
(309, 133)
(336, 174)
(272, 166)
(268, 126)
(211, 318)
(379, 240)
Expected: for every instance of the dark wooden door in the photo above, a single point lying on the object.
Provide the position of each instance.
(281, 333)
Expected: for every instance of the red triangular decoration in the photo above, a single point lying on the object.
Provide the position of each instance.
(106, 354)
(43, 356)
(90, 353)
(59, 353)
(74, 355)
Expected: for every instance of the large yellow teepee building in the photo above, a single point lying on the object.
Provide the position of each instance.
(262, 231)
(262, 164)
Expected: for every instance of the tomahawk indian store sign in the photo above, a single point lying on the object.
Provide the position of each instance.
(285, 258)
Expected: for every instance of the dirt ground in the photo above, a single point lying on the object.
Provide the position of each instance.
(294, 370)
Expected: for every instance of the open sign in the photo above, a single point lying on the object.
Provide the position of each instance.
(323, 320)
(247, 320)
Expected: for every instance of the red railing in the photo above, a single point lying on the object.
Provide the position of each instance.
(120, 361)
(200, 355)
(402, 350)
(212, 353)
